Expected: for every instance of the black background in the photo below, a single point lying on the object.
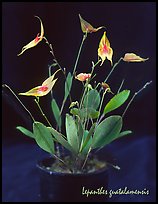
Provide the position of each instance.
(130, 26)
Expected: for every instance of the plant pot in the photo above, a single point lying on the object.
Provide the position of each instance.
(66, 187)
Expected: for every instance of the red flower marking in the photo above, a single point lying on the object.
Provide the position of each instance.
(43, 88)
(105, 49)
(37, 38)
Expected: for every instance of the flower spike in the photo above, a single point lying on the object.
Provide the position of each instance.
(87, 27)
(104, 50)
(34, 42)
(44, 89)
(131, 57)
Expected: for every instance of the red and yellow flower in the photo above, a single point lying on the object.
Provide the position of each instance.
(87, 27)
(131, 57)
(106, 87)
(104, 50)
(44, 89)
(35, 41)
(83, 76)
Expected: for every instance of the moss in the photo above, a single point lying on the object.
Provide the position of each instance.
(91, 165)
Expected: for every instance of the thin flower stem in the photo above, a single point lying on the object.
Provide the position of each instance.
(87, 82)
(85, 89)
(37, 102)
(101, 106)
(135, 94)
(94, 65)
(121, 86)
(101, 117)
(79, 52)
(113, 69)
(5, 85)
(63, 71)
(86, 158)
(49, 70)
(97, 85)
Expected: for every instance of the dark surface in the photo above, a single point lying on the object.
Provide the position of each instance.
(135, 157)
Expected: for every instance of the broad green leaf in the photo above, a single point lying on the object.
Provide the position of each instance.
(87, 147)
(107, 131)
(56, 112)
(43, 137)
(92, 113)
(80, 129)
(88, 137)
(92, 99)
(75, 111)
(127, 132)
(68, 84)
(117, 101)
(25, 131)
(71, 132)
(60, 138)
(85, 113)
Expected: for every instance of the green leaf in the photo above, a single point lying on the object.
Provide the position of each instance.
(80, 129)
(107, 131)
(85, 113)
(117, 101)
(75, 111)
(88, 137)
(127, 132)
(68, 84)
(25, 131)
(92, 113)
(92, 99)
(87, 147)
(71, 132)
(43, 137)
(56, 112)
(60, 138)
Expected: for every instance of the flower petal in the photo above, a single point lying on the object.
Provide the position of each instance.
(104, 50)
(42, 29)
(50, 86)
(32, 92)
(40, 90)
(48, 80)
(35, 41)
(87, 27)
(131, 57)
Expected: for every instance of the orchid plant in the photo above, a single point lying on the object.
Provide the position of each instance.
(89, 124)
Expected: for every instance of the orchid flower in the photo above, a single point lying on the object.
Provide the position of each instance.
(87, 27)
(44, 89)
(34, 42)
(131, 57)
(106, 87)
(83, 76)
(104, 50)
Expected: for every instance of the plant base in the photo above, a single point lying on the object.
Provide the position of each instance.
(66, 187)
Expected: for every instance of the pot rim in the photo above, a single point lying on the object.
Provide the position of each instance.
(40, 166)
